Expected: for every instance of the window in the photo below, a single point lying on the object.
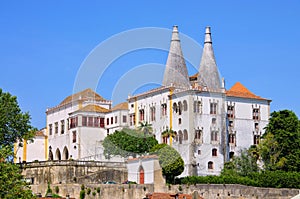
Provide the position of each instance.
(116, 119)
(231, 138)
(180, 137)
(199, 152)
(74, 136)
(231, 155)
(214, 135)
(84, 121)
(111, 120)
(185, 135)
(152, 113)
(179, 108)
(96, 121)
(198, 134)
(256, 113)
(73, 123)
(90, 121)
(179, 121)
(132, 105)
(132, 119)
(164, 109)
(124, 118)
(256, 127)
(50, 129)
(185, 106)
(107, 132)
(256, 139)
(197, 107)
(214, 152)
(62, 126)
(214, 121)
(165, 139)
(230, 112)
(142, 115)
(56, 127)
(107, 121)
(175, 108)
(213, 108)
(102, 122)
(210, 165)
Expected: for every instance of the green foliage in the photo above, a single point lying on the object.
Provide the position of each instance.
(128, 142)
(82, 187)
(94, 193)
(14, 125)
(170, 161)
(12, 184)
(57, 189)
(280, 147)
(98, 189)
(146, 128)
(88, 191)
(82, 194)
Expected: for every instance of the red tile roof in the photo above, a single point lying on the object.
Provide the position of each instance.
(239, 90)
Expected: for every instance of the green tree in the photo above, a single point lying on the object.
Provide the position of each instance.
(14, 125)
(146, 128)
(128, 142)
(170, 160)
(12, 184)
(280, 146)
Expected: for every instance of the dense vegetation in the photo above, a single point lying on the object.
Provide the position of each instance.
(278, 153)
(170, 160)
(128, 142)
(14, 126)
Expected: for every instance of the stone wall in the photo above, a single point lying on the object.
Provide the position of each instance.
(65, 172)
(228, 191)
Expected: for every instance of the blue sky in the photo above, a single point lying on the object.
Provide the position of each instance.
(44, 43)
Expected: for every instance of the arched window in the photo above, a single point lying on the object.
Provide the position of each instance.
(65, 154)
(179, 108)
(180, 137)
(50, 153)
(214, 152)
(175, 108)
(185, 106)
(57, 154)
(176, 136)
(185, 135)
(210, 165)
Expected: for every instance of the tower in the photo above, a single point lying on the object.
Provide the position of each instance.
(208, 71)
(176, 73)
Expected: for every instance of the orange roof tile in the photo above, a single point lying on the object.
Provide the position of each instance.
(195, 76)
(239, 90)
(40, 133)
(87, 94)
(93, 108)
(121, 106)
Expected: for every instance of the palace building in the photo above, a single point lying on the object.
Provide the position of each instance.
(206, 123)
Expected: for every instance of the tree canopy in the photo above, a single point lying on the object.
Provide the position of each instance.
(128, 142)
(170, 160)
(280, 146)
(14, 125)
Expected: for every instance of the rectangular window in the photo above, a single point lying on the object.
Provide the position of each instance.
(213, 108)
(50, 129)
(74, 122)
(96, 121)
(164, 109)
(116, 119)
(84, 121)
(256, 139)
(101, 122)
(256, 113)
(214, 136)
(74, 136)
(91, 121)
(107, 121)
(56, 127)
(230, 112)
(142, 115)
(152, 113)
(197, 107)
(62, 126)
(231, 138)
(124, 118)
(132, 119)
(111, 120)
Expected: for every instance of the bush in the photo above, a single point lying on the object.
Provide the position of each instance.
(88, 191)
(82, 194)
